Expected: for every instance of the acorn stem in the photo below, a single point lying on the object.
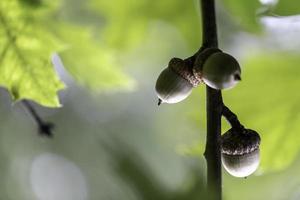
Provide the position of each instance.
(232, 118)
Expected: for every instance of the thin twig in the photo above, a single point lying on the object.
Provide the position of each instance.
(45, 128)
(231, 118)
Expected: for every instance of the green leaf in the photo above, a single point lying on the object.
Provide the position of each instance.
(96, 66)
(286, 7)
(25, 54)
(244, 13)
(267, 100)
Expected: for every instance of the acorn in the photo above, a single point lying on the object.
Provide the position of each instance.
(240, 151)
(175, 83)
(217, 69)
(221, 71)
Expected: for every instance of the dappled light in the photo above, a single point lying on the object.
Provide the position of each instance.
(53, 177)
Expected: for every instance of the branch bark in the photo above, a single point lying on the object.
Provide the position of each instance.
(214, 104)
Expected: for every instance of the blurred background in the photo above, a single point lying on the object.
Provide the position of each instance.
(111, 139)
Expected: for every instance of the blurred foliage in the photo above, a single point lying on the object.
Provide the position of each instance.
(131, 168)
(244, 13)
(286, 7)
(127, 22)
(31, 3)
(266, 187)
(99, 69)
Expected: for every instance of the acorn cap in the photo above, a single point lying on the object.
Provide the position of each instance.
(235, 142)
(184, 70)
(200, 60)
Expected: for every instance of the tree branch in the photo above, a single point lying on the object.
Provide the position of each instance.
(231, 118)
(214, 104)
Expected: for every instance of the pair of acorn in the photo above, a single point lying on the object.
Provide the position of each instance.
(215, 68)
(218, 70)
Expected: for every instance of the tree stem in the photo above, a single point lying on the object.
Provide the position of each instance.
(214, 105)
(231, 118)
